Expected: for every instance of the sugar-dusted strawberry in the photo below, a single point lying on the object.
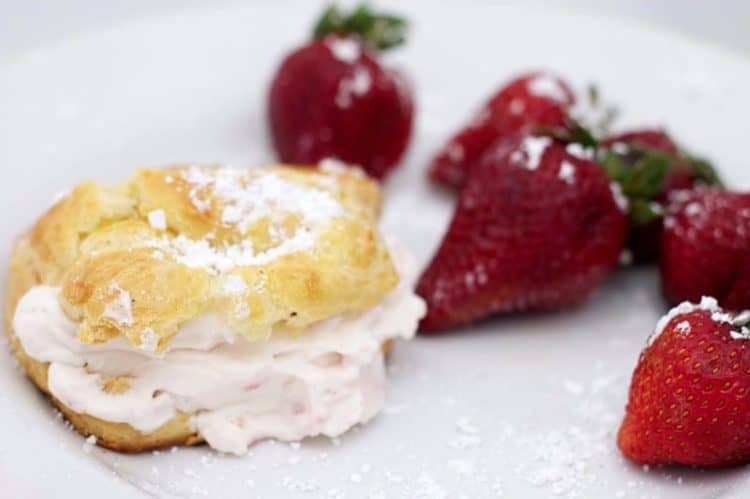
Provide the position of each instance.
(333, 98)
(537, 227)
(534, 99)
(650, 166)
(690, 393)
(706, 238)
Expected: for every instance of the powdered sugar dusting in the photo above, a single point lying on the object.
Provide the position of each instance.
(567, 172)
(686, 307)
(157, 219)
(742, 318)
(149, 340)
(531, 151)
(620, 147)
(250, 195)
(244, 198)
(119, 308)
(234, 285)
(580, 152)
(199, 180)
(693, 209)
(344, 49)
(333, 165)
(219, 259)
(89, 443)
(683, 327)
(355, 86)
(619, 197)
(548, 87)
(336, 167)
(742, 334)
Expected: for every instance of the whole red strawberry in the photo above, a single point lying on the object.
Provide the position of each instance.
(690, 394)
(706, 239)
(536, 227)
(332, 98)
(650, 166)
(534, 99)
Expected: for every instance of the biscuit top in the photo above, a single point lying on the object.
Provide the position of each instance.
(272, 247)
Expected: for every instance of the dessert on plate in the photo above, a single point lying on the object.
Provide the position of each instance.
(193, 304)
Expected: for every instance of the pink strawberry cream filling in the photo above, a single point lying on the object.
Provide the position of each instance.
(323, 381)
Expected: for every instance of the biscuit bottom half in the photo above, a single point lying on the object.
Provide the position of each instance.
(211, 384)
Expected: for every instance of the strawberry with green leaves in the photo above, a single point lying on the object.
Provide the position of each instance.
(689, 397)
(332, 98)
(650, 167)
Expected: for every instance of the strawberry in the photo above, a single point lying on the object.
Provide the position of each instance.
(536, 227)
(333, 98)
(738, 297)
(690, 393)
(706, 240)
(534, 99)
(650, 166)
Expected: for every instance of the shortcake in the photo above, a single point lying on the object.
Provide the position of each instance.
(208, 304)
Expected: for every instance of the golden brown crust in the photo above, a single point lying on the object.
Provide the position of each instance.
(99, 247)
(92, 245)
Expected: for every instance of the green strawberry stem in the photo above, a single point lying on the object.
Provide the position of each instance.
(378, 31)
(640, 171)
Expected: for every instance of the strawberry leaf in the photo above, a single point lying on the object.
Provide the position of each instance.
(575, 133)
(583, 136)
(378, 31)
(615, 166)
(646, 177)
(703, 170)
(642, 211)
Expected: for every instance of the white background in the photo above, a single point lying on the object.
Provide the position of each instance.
(26, 24)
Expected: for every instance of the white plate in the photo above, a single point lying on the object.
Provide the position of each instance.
(523, 406)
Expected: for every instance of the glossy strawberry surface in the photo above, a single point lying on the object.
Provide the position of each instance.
(535, 228)
(706, 238)
(534, 99)
(332, 98)
(689, 397)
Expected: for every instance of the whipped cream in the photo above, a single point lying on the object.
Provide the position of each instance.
(323, 381)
